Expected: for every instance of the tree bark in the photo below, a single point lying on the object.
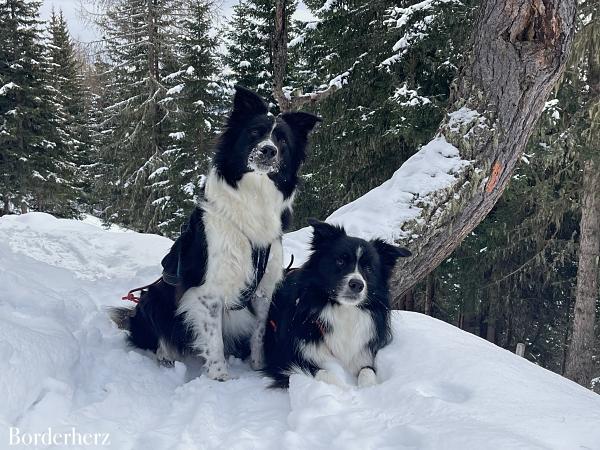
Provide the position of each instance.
(492, 312)
(429, 295)
(279, 51)
(520, 48)
(579, 364)
(279, 45)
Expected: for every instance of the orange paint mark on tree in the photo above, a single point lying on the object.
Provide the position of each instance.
(494, 177)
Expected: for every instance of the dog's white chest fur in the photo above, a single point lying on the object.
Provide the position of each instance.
(253, 208)
(352, 329)
(235, 220)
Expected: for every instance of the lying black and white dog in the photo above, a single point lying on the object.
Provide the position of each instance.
(334, 310)
(220, 274)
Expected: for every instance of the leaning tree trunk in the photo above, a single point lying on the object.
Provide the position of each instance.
(579, 364)
(519, 51)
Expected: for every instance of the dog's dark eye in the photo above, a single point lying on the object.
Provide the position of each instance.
(283, 141)
(254, 133)
(340, 261)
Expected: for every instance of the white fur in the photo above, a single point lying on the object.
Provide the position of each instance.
(254, 207)
(367, 377)
(235, 220)
(353, 328)
(166, 354)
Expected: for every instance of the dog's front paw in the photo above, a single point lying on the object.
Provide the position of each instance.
(164, 362)
(217, 371)
(367, 377)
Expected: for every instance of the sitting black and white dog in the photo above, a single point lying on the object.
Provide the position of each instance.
(334, 310)
(220, 274)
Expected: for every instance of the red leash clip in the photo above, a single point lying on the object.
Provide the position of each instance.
(131, 298)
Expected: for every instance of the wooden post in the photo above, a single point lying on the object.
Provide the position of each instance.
(520, 349)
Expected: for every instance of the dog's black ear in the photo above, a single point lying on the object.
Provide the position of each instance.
(389, 253)
(247, 104)
(301, 123)
(324, 232)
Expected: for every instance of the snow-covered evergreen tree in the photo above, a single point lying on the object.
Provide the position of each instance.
(139, 43)
(198, 96)
(70, 101)
(249, 44)
(394, 62)
(34, 153)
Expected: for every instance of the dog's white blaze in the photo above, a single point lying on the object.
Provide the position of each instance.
(352, 328)
(344, 290)
(269, 140)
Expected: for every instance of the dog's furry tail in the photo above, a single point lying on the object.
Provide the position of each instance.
(122, 317)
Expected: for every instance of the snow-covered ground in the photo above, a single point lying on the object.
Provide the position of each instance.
(64, 365)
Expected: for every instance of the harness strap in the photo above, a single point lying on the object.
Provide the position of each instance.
(260, 259)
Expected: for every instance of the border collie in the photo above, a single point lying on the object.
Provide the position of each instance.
(332, 311)
(221, 272)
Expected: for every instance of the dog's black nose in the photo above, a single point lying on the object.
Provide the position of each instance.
(269, 151)
(356, 285)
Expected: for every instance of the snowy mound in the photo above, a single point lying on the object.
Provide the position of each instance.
(65, 366)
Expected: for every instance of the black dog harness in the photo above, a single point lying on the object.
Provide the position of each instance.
(189, 241)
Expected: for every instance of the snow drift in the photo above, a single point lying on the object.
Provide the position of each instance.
(65, 366)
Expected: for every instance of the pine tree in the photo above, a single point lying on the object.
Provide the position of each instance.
(35, 161)
(249, 38)
(70, 101)
(139, 37)
(249, 45)
(583, 346)
(198, 96)
(392, 96)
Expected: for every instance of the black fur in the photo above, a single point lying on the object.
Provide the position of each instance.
(295, 314)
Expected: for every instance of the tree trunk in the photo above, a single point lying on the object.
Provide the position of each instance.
(490, 334)
(579, 355)
(279, 45)
(279, 52)
(429, 295)
(520, 48)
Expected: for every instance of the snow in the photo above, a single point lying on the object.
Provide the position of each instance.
(177, 136)
(382, 211)
(414, 99)
(400, 17)
(67, 367)
(8, 87)
(158, 172)
(175, 89)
